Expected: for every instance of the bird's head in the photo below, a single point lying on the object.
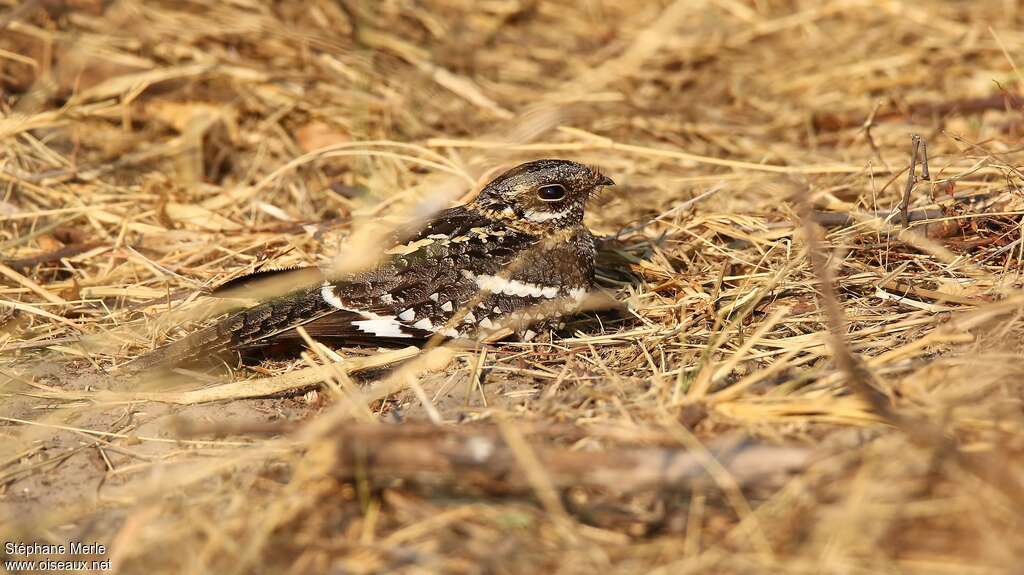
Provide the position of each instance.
(545, 194)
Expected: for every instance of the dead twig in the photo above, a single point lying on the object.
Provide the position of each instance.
(828, 122)
(919, 151)
(481, 457)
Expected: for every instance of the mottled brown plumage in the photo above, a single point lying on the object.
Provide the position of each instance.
(517, 256)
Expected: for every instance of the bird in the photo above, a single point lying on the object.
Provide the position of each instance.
(517, 257)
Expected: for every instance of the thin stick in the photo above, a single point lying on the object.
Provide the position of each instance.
(911, 180)
(857, 379)
(26, 282)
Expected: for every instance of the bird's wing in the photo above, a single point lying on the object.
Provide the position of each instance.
(408, 296)
(426, 280)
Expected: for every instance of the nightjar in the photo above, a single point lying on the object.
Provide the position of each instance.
(512, 259)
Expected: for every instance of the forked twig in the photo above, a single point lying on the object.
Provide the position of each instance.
(919, 150)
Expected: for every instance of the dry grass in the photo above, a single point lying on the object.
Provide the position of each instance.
(152, 150)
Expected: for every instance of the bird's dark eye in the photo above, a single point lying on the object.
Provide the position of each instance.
(551, 192)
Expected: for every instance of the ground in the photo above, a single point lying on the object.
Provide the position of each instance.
(791, 379)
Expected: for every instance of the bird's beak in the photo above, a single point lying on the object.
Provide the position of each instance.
(602, 181)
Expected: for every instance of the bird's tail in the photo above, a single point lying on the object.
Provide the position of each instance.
(238, 329)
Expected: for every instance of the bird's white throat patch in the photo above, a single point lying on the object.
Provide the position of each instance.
(539, 217)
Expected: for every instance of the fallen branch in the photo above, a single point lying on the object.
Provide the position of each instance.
(68, 251)
(842, 219)
(480, 457)
(829, 122)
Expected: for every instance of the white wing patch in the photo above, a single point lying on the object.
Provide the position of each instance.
(382, 327)
(500, 285)
(578, 294)
(378, 325)
(327, 292)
